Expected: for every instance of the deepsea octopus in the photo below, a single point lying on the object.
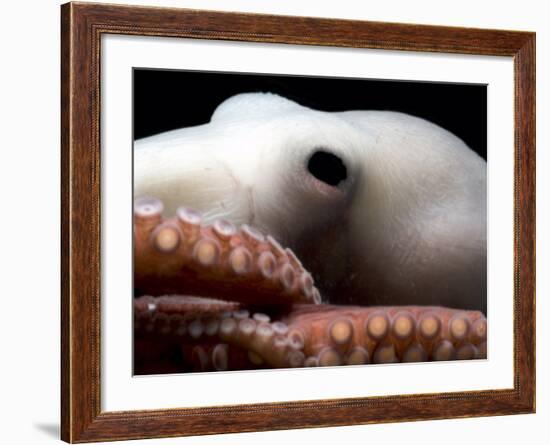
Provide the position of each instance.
(307, 238)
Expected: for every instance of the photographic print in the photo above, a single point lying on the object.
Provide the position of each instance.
(292, 221)
(264, 217)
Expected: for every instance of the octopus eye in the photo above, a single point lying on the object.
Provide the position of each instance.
(327, 167)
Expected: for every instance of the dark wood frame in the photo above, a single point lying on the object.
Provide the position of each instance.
(82, 26)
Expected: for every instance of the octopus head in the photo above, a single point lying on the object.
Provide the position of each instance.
(262, 160)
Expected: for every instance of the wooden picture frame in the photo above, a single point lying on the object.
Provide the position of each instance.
(83, 24)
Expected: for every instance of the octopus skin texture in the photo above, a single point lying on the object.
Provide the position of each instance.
(383, 219)
(259, 308)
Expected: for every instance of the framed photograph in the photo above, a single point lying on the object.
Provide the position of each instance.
(274, 222)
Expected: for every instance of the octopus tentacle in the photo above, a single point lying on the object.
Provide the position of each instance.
(182, 333)
(249, 339)
(180, 255)
(257, 307)
(334, 335)
(217, 335)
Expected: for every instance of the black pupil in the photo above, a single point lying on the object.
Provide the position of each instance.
(327, 167)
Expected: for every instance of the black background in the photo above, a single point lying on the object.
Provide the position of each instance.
(166, 99)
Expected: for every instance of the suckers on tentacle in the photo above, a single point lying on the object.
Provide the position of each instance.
(256, 318)
(217, 335)
(180, 255)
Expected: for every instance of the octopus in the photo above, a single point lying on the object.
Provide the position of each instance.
(333, 239)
